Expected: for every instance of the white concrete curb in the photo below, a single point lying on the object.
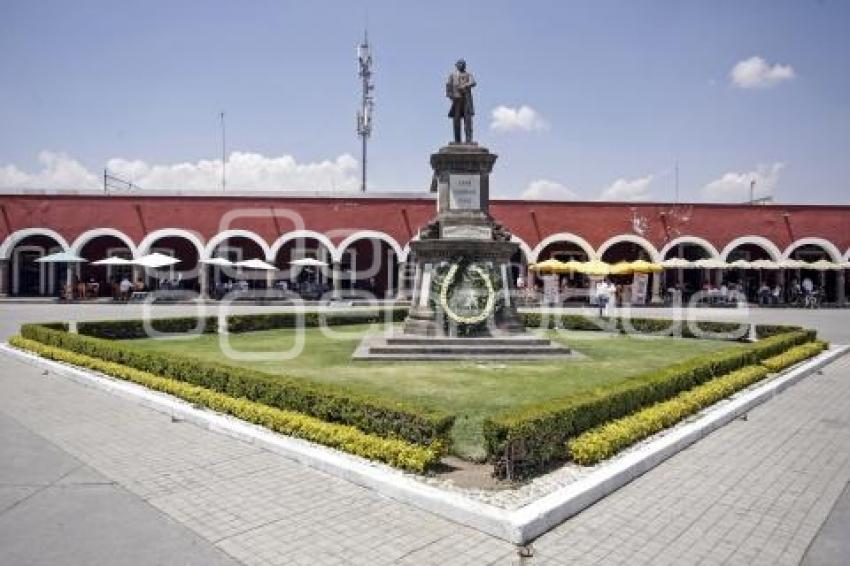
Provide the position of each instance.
(516, 526)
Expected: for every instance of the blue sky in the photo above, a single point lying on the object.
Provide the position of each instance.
(616, 93)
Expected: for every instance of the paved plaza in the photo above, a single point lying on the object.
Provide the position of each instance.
(88, 478)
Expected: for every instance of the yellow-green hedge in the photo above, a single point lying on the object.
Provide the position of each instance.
(604, 441)
(794, 355)
(395, 452)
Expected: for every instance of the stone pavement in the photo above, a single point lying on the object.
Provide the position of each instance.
(753, 492)
(56, 510)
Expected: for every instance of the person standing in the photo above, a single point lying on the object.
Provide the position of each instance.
(602, 296)
(124, 287)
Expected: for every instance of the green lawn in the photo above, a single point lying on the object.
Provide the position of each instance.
(470, 390)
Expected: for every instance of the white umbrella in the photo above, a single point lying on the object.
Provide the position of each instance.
(845, 265)
(113, 260)
(741, 264)
(764, 264)
(61, 257)
(677, 263)
(308, 262)
(823, 265)
(792, 264)
(255, 264)
(156, 260)
(219, 261)
(709, 263)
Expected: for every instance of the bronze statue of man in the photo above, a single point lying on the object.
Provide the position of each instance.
(459, 90)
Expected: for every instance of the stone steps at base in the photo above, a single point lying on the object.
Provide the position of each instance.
(487, 351)
(529, 341)
(457, 356)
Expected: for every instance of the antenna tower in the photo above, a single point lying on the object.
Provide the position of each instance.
(367, 101)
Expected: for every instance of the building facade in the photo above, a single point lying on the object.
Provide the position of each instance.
(365, 238)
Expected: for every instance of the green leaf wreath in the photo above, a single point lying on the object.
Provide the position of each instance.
(486, 299)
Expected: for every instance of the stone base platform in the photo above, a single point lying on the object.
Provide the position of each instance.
(405, 347)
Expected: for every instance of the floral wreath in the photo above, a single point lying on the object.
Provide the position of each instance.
(446, 284)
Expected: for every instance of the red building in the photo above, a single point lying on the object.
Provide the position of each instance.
(364, 238)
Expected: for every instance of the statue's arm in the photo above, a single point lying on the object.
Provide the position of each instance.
(472, 82)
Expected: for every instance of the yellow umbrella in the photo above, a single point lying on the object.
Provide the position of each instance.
(622, 268)
(573, 265)
(550, 266)
(643, 266)
(596, 267)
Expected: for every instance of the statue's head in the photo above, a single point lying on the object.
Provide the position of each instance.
(460, 65)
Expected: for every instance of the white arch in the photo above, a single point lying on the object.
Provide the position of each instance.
(563, 237)
(89, 235)
(227, 234)
(632, 238)
(405, 253)
(366, 234)
(17, 236)
(825, 245)
(148, 240)
(523, 247)
(760, 241)
(295, 234)
(695, 240)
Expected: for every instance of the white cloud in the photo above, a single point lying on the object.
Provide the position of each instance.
(734, 186)
(521, 119)
(628, 189)
(543, 189)
(755, 72)
(58, 172)
(244, 171)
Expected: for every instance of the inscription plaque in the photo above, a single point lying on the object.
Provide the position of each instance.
(465, 192)
(470, 232)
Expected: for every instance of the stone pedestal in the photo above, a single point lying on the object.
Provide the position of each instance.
(464, 229)
(464, 242)
(429, 254)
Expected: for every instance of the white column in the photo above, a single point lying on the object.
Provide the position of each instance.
(655, 296)
(69, 281)
(336, 278)
(4, 277)
(203, 281)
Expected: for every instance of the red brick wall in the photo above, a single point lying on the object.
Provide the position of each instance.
(532, 221)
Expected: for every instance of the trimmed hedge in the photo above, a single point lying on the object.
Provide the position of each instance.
(527, 439)
(371, 414)
(604, 441)
(130, 329)
(661, 326)
(395, 452)
(794, 355)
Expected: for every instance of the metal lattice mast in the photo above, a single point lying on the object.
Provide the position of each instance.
(367, 101)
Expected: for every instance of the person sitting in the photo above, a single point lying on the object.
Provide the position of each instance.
(808, 286)
(777, 294)
(764, 294)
